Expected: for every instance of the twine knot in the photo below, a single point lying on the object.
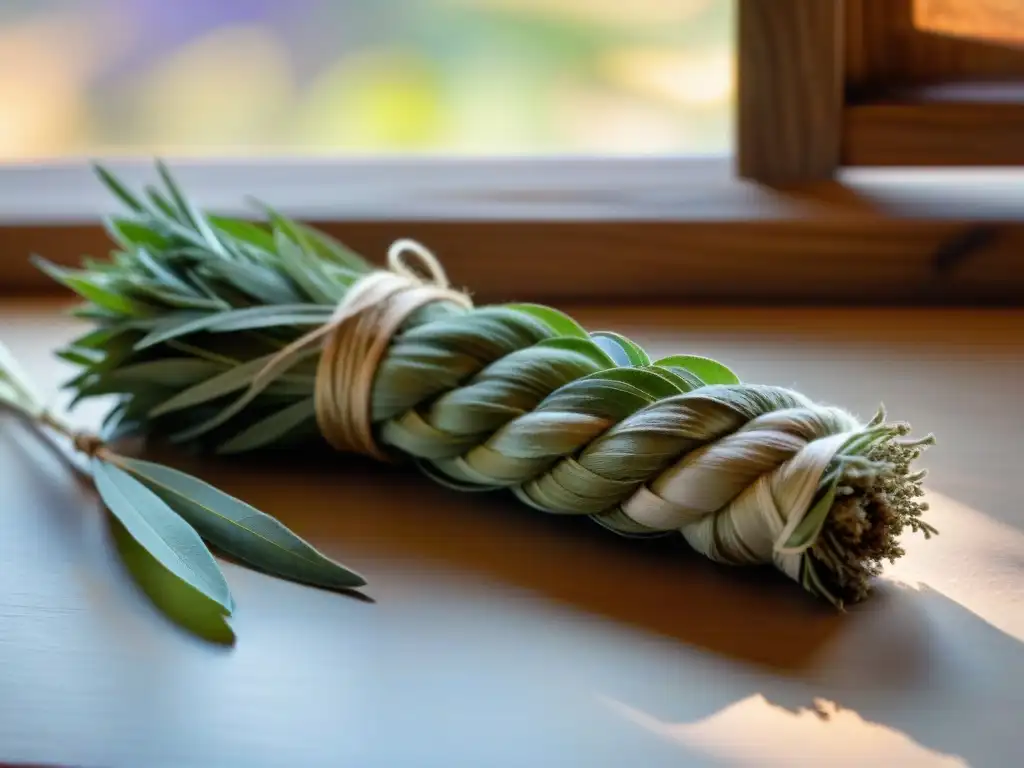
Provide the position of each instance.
(88, 443)
(85, 442)
(358, 334)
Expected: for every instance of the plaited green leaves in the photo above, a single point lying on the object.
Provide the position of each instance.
(520, 397)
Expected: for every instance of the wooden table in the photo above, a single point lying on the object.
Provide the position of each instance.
(503, 637)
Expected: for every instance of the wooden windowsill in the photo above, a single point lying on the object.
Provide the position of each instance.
(943, 124)
(579, 228)
(501, 636)
(557, 189)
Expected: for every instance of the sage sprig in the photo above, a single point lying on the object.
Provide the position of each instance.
(160, 531)
(240, 529)
(199, 327)
(161, 516)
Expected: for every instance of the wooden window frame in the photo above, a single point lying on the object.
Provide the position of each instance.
(599, 229)
(828, 84)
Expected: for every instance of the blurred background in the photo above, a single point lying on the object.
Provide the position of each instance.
(307, 77)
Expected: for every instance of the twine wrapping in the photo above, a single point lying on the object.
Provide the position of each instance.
(356, 337)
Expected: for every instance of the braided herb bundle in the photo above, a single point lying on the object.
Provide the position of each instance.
(235, 336)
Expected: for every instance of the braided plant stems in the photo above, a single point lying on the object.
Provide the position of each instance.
(191, 308)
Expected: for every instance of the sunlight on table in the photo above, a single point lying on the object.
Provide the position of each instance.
(856, 712)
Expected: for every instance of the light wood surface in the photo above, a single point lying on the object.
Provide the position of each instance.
(503, 637)
(790, 89)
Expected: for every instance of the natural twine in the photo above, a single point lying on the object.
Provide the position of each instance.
(358, 334)
(87, 443)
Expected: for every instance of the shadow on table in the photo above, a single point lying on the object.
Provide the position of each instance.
(909, 660)
(377, 517)
(912, 665)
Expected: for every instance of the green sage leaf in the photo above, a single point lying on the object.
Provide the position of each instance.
(163, 273)
(98, 337)
(87, 287)
(198, 279)
(191, 214)
(80, 357)
(157, 294)
(326, 247)
(174, 227)
(181, 204)
(808, 530)
(684, 381)
(271, 429)
(161, 532)
(167, 327)
(162, 204)
(272, 321)
(584, 347)
(599, 396)
(709, 371)
(118, 189)
(224, 383)
(242, 530)
(237, 320)
(559, 322)
(308, 273)
(270, 374)
(168, 372)
(624, 351)
(284, 227)
(613, 393)
(647, 379)
(132, 234)
(245, 232)
(260, 283)
(321, 244)
(180, 602)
